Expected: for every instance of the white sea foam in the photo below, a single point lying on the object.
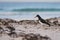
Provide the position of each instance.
(28, 15)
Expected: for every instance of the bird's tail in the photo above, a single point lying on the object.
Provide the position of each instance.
(48, 24)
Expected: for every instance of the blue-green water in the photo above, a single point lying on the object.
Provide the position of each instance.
(28, 10)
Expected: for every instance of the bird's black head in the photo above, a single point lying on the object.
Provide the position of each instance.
(38, 16)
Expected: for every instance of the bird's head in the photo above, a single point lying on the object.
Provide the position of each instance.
(37, 16)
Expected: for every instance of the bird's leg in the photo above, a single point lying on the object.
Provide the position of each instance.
(40, 22)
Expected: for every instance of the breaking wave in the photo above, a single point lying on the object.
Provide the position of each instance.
(34, 10)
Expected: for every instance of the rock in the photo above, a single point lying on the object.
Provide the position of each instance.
(32, 36)
(31, 22)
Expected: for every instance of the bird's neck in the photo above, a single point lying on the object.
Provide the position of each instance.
(39, 18)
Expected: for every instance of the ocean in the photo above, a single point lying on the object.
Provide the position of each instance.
(28, 10)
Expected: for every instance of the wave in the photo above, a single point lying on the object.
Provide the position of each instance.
(35, 10)
(31, 10)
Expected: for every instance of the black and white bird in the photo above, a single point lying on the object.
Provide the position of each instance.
(42, 20)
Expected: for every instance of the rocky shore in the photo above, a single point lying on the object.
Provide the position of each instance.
(29, 29)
